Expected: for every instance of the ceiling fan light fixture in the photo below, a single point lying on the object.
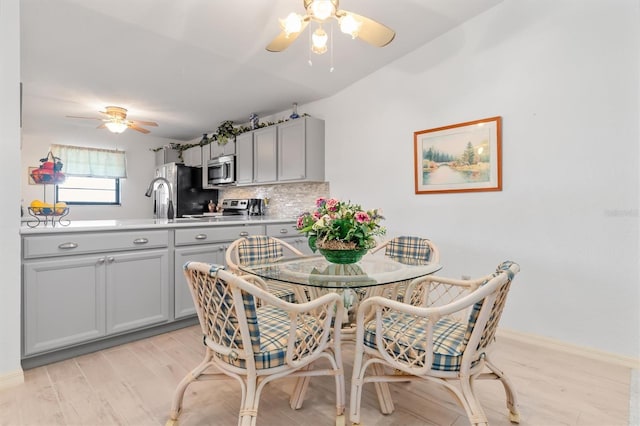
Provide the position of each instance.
(116, 126)
(292, 24)
(319, 41)
(322, 9)
(350, 25)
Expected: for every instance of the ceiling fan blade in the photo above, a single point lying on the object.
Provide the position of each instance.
(145, 123)
(86, 118)
(373, 32)
(102, 126)
(281, 42)
(139, 129)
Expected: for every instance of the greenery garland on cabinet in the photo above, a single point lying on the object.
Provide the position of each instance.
(223, 134)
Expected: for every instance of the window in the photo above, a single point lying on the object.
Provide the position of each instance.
(92, 174)
(89, 190)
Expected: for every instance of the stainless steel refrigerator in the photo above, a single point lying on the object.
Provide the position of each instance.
(186, 192)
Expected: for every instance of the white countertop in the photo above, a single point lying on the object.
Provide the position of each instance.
(123, 224)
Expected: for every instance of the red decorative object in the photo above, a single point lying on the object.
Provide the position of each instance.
(49, 171)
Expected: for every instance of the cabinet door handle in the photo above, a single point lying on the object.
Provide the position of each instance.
(222, 248)
(111, 259)
(244, 234)
(100, 260)
(284, 231)
(201, 237)
(68, 246)
(140, 241)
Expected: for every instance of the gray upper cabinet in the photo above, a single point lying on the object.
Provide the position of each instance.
(301, 150)
(264, 155)
(292, 151)
(214, 150)
(244, 158)
(192, 156)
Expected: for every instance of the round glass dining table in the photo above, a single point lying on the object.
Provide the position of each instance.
(316, 271)
(313, 276)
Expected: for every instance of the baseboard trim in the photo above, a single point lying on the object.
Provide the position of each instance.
(559, 345)
(12, 379)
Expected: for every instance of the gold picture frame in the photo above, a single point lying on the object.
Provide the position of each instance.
(29, 176)
(464, 157)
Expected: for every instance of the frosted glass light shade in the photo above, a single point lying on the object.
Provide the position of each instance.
(116, 126)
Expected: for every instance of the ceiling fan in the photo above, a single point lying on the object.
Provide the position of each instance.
(320, 11)
(116, 121)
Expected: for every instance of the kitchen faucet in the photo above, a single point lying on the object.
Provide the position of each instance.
(162, 181)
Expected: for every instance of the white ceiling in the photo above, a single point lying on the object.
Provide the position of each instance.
(190, 64)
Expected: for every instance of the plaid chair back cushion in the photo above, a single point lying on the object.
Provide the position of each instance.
(258, 249)
(496, 312)
(215, 300)
(409, 247)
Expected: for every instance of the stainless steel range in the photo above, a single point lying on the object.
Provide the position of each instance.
(244, 206)
(235, 207)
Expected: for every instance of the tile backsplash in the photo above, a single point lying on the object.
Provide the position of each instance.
(285, 200)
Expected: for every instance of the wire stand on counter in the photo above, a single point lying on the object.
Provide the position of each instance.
(49, 173)
(45, 219)
(45, 215)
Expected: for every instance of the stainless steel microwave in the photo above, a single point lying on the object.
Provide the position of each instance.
(220, 171)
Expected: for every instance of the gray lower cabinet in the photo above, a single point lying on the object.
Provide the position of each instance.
(207, 245)
(81, 287)
(64, 302)
(287, 232)
(80, 298)
(208, 253)
(137, 289)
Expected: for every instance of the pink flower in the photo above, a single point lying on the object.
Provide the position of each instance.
(362, 217)
(320, 201)
(317, 215)
(332, 204)
(300, 222)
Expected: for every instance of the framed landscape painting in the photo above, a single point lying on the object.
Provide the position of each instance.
(463, 157)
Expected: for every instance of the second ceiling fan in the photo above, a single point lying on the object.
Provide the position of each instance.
(116, 121)
(321, 11)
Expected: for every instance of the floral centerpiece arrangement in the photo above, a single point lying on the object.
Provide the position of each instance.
(337, 225)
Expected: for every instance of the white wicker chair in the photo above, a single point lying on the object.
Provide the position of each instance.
(260, 249)
(406, 247)
(429, 342)
(254, 337)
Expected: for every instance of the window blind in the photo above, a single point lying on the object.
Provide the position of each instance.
(91, 162)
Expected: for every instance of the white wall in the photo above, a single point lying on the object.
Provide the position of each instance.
(564, 76)
(140, 168)
(10, 370)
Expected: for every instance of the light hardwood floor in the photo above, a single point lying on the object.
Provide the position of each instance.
(133, 384)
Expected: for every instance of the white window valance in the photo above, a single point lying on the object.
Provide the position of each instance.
(91, 162)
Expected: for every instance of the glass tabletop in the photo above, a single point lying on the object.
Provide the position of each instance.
(370, 271)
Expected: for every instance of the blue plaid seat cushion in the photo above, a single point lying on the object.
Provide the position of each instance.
(274, 335)
(409, 334)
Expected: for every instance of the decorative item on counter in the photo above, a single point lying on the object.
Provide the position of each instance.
(342, 231)
(204, 140)
(49, 170)
(211, 206)
(253, 119)
(294, 114)
(45, 213)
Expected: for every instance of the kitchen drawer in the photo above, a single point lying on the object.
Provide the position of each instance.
(282, 230)
(65, 244)
(215, 234)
